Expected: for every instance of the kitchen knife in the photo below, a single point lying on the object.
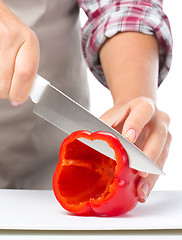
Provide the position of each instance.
(64, 113)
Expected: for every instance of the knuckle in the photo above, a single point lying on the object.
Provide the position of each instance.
(146, 103)
(162, 121)
(26, 72)
(162, 133)
(9, 34)
(32, 34)
(32, 37)
(165, 117)
(4, 88)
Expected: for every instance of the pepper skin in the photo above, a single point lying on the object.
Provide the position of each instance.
(87, 182)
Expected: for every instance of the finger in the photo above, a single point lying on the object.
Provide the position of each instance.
(26, 66)
(115, 117)
(145, 185)
(157, 136)
(6, 72)
(141, 113)
(162, 159)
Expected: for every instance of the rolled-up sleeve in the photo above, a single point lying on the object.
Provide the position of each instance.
(106, 18)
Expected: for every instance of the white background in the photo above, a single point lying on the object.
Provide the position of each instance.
(169, 99)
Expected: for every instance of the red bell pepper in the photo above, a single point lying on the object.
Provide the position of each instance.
(87, 182)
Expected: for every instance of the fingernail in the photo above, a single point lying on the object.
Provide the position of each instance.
(130, 134)
(14, 103)
(145, 190)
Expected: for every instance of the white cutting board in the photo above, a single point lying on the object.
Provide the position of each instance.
(39, 210)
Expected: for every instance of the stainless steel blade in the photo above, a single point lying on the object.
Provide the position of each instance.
(64, 113)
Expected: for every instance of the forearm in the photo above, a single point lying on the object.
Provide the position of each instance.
(130, 62)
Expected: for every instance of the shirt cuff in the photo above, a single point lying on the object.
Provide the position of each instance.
(107, 21)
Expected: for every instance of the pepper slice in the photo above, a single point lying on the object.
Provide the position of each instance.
(86, 182)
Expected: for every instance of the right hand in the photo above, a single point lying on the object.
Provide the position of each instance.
(19, 57)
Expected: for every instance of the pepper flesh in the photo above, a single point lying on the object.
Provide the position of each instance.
(87, 182)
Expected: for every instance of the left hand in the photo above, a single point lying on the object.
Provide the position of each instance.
(142, 123)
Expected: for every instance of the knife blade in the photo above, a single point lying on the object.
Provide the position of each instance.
(66, 114)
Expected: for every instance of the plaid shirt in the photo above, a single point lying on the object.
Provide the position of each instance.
(108, 17)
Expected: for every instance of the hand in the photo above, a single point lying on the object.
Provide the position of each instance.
(143, 124)
(19, 57)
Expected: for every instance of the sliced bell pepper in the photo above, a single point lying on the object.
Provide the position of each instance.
(87, 182)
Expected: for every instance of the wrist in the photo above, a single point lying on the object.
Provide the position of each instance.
(136, 91)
